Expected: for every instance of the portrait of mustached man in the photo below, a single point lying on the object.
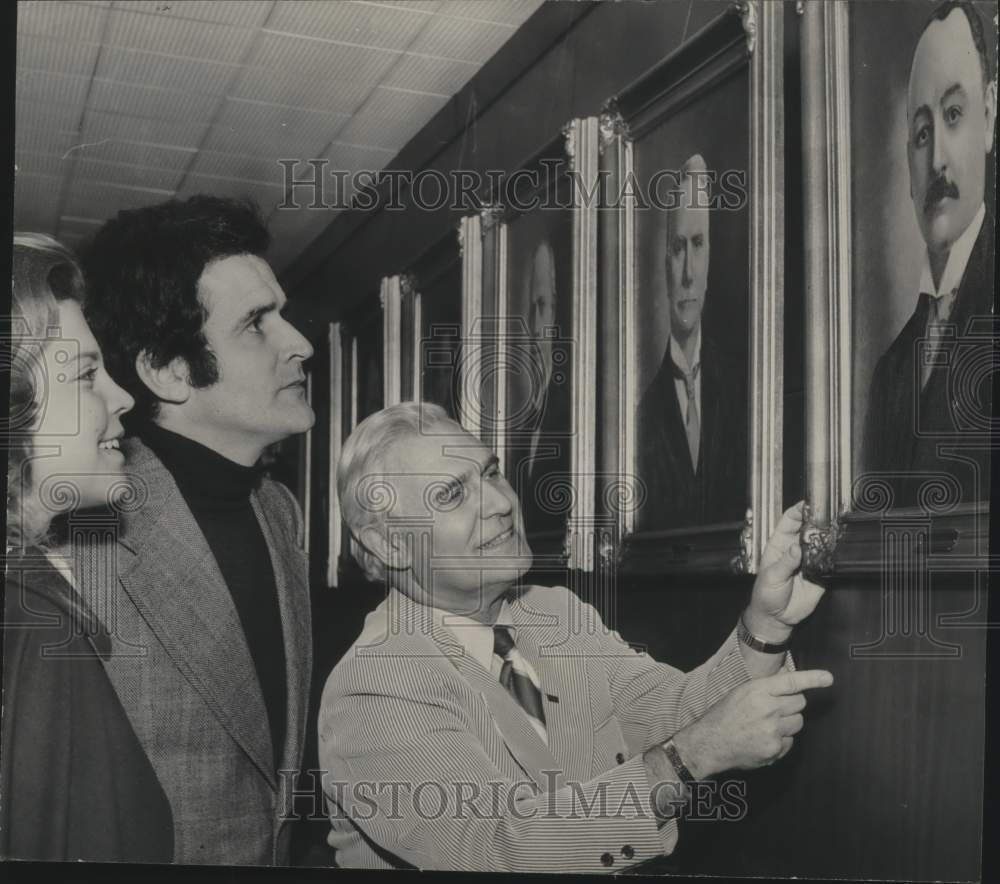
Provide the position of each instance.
(923, 407)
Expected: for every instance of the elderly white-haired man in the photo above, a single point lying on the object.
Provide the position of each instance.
(478, 724)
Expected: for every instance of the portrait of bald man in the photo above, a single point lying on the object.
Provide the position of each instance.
(691, 420)
(925, 405)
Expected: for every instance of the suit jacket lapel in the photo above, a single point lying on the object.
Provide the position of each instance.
(528, 749)
(294, 603)
(170, 574)
(712, 433)
(565, 694)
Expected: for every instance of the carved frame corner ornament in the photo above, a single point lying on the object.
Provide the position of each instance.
(742, 562)
(607, 552)
(748, 14)
(819, 546)
(490, 216)
(611, 125)
(569, 132)
(407, 284)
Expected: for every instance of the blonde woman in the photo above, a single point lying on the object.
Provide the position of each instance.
(74, 780)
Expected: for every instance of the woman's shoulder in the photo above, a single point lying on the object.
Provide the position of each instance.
(42, 610)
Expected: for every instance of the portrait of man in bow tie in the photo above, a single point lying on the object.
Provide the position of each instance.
(691, 421)
(923, 406)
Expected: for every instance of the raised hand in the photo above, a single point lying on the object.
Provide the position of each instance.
(782, 597)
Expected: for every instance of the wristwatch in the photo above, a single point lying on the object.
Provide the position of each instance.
(758, 644)
(685, 776)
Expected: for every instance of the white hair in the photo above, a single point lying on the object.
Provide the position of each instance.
(365, 455)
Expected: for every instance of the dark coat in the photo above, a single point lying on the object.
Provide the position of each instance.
(676, 494)
(908, 430)
(75, 782)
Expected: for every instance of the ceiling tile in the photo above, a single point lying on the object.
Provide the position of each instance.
(207, 76)
(402, 106)
(62, 119)
(246, 13)
(351, 23)
(76, 22)
(437, 75)
(505, 12)
(47, 88)
(192, 39)
(310, 88)
(263, 169)
(33, 163)
(128, 175)
(175, 133)
(57, 56)
(152, 102)
(174, 159)
(328, 61)
(274, 146)
(313, 127)
(457, 38)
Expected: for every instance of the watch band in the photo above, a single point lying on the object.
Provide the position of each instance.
(678, 764)
(758, 644)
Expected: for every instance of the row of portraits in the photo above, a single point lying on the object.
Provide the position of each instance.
(639, 337)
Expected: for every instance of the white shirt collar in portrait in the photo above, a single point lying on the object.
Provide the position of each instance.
(680, 360)
(958, 258)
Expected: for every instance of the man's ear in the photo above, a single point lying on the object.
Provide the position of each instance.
(168, 383)
(990, 100)
(390, 547)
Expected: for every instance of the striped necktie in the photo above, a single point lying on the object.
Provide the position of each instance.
(518, 677)
(692, 423)
(938, 314)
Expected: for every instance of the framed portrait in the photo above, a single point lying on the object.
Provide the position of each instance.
(358, 368)
(692, 299)
(431, 316)
(334, 522)
(544, 281)
(900, 191)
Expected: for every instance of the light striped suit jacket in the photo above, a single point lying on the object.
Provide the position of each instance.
(182, 668)
(429, 762)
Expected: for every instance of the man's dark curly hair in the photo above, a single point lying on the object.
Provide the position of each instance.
(142, 270)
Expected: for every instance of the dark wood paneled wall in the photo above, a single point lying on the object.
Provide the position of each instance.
(886, 779)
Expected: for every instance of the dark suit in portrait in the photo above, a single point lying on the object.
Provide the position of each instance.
(677, 494)
(909, 422)
(541, 459)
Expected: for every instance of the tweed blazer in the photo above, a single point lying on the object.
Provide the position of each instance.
(429, 762)
(183, 671)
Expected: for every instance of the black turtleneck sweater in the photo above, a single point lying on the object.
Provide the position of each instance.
(217, 490)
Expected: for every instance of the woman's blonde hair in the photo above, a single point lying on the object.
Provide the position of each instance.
(44, 273)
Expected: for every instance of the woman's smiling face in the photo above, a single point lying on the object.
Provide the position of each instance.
(76, 440)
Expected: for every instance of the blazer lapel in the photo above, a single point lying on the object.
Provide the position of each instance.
(528, 749)
(291, 579)
(170, 574)
(565, 695)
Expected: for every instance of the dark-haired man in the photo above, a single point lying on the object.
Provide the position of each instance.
(927, 393)
(212, 580)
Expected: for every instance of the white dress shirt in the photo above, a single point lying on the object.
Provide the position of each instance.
(680, 360)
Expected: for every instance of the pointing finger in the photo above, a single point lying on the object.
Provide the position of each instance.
(795, 682)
